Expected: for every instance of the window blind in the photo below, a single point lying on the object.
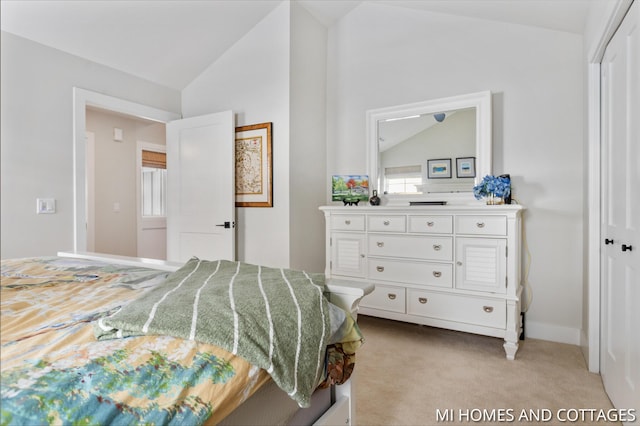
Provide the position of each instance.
(403, 170)
(157, 160)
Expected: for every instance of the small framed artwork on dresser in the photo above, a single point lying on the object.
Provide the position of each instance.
(439, 168)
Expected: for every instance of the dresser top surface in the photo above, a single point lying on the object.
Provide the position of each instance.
(429, 209)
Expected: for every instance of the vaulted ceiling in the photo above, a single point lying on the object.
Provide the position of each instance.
(172, 42)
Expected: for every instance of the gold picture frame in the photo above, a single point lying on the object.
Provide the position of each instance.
(254, 166)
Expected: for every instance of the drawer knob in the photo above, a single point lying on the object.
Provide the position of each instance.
(437, 274)
(380, 268)
(362, 256)
(423, 300)
(487, 309)
(430, 224)
(391, 296)
(380, 244)
(480, 224)
(459, 263)
(386, 223)
(347, 222)
(437, 247)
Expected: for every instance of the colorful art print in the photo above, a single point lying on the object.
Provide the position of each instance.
(439, 168)
(254, 166)
(350, 189)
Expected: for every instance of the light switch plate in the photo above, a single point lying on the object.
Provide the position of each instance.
(45, 205)
(118, 134)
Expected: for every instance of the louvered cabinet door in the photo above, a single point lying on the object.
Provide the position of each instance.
(481, 264)
(348, 257)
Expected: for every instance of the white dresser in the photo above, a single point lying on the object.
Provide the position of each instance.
(455, 267)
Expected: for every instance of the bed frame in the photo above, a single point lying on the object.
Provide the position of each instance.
(345, 294)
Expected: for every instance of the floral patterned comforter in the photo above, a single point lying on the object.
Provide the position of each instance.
(54, 371)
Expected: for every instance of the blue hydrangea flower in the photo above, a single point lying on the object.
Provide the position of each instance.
(498, 186)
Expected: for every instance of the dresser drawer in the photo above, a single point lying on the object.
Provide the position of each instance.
(460, 308)
(411, 246)
(481, 225)
(347, 222)
(387, 298)
(387, 223)
(431, 224)
(399, 271)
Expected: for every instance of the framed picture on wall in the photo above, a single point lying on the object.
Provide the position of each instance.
(439, 168)
(254, 166)
(466, 167)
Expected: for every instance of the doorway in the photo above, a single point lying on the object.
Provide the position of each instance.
(591, 341)
(200, 153)
(620, 220)
(114, 185)
(82, 100)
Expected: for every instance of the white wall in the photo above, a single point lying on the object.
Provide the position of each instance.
(308, 153)
(115, 178)
(252, 80)
(381, 55)
(276, 73)
(37, 140)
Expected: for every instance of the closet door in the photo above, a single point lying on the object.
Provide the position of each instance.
(620, 250)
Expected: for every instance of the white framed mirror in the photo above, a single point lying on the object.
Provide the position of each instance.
(432, 151)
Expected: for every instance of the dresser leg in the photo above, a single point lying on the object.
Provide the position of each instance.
(511, 348)
(513, 329)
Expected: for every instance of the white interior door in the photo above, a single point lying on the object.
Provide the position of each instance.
(620, 335)
(201, 188)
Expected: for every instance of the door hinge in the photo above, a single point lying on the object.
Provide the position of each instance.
(506, 281)
(506, 251)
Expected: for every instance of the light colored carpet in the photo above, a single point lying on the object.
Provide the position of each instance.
(405, 373)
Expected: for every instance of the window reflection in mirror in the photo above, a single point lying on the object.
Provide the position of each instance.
(406, 144)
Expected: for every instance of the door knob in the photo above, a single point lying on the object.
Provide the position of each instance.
(608, 241)
(626, 247)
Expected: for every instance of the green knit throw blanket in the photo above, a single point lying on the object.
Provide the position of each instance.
(277, 319)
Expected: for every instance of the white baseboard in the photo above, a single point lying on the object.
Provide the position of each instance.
(553, 333)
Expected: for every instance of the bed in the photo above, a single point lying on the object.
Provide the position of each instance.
(95, 339)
